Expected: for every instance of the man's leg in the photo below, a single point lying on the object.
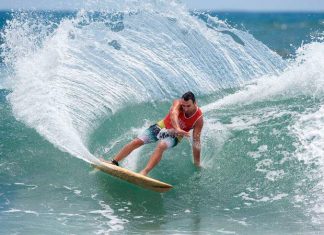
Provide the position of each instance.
(155, 158)
(128, 148)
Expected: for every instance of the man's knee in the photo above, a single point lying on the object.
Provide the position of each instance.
(162, 146)
(137, 142)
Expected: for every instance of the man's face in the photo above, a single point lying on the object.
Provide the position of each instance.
(188, 107)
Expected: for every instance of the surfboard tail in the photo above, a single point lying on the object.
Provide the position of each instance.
(134, 178)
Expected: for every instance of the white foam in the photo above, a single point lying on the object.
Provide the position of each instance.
(65, 80)
(309, 129)
(263, 165)
(13, 210)
(223, 231)
(270, 198)
(132, 160)
(114, 223)
(214, 134)
(29, 186)
(275, 175)
(257, 154)
(305, 76)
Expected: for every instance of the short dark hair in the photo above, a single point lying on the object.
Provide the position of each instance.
(189, 96)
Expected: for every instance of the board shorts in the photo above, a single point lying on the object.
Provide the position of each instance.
(155, 133)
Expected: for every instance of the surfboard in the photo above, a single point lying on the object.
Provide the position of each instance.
(134, 178)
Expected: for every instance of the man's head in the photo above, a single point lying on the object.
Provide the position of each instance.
(188, 102)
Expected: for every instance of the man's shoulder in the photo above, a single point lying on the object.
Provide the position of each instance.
(200, 117)
(200, 110)
(176, 101)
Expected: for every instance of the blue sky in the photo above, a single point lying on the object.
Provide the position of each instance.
(236, 5)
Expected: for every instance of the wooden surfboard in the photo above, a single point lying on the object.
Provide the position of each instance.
(134, 178)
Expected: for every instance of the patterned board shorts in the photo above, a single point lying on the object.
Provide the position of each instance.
(155, 133)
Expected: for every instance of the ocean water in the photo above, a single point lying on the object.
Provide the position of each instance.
(78, 85)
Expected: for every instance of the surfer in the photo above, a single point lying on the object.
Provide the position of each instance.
(183, 116)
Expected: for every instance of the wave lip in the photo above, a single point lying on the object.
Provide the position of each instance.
(67, 76)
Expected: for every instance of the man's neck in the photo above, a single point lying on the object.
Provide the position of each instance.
(188, 115)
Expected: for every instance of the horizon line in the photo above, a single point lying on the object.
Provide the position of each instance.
(193, 9)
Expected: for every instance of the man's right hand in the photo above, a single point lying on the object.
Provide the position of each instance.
(182, 133)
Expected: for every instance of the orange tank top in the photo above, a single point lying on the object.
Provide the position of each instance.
(186, 123)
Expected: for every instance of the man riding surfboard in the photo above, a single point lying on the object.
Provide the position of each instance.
(183, 116)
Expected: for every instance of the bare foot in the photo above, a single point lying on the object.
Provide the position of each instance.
(143, 172)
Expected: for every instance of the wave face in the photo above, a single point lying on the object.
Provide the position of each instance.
(276, 124)
(70, 72)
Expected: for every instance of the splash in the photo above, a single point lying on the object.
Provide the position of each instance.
(303, 77)
(301, 85)
(70, 73)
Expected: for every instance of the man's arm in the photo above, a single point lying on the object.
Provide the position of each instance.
(196, 146)
(175, 110)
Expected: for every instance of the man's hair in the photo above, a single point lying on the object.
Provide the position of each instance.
(189, 96)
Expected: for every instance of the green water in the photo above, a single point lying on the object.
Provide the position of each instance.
(49, 191)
